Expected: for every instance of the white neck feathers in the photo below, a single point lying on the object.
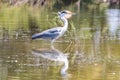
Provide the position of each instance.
(65, 26)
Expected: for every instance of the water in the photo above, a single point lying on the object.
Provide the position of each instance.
(90, 50)
(19, 61)
(113, 21)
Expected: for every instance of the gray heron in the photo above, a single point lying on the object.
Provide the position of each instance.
(54, 33)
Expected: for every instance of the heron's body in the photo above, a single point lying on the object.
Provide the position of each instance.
(54, 33)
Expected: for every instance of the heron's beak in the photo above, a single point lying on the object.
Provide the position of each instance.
(73, 13)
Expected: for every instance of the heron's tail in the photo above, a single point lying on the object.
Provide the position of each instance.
(35, 36)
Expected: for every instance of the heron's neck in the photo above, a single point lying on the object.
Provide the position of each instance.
(65, 26)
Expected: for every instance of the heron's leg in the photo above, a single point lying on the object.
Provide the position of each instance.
(52, 47)
(52, 42)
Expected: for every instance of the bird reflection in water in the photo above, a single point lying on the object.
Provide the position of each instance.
(54, 55)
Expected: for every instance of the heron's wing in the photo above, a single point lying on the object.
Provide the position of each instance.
(48, 34)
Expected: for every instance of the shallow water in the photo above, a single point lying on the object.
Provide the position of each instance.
(20, 61)
(83, 53)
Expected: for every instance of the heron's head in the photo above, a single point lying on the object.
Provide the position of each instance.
(65, 13)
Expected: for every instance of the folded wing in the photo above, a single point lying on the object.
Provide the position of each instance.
(48, 34)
